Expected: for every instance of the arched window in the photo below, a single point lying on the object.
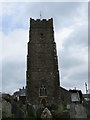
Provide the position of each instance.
(43, 91)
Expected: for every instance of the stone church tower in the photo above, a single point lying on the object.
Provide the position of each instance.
(42, 64)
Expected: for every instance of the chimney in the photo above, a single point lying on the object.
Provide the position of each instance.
(19, 89)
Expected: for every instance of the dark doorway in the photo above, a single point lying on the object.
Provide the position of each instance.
(43, 101)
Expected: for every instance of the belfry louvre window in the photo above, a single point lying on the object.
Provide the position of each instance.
(43, 91)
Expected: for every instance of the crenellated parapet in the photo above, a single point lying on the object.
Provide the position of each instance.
(41, 23)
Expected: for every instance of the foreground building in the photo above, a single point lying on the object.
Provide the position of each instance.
(43, 81)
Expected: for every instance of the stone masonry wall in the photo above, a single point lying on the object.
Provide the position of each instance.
(42, 63)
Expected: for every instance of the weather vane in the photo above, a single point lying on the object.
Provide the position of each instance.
(40, 15)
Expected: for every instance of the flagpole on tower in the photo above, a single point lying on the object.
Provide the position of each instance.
(40, 15)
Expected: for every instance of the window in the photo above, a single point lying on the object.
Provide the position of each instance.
(43, 91)
(41, 34)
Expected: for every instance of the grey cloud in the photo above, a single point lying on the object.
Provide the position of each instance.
(13, 75)
(79, 37)
(67, 61)
(64, 15)
(74, 68)
(74, 78)
(62, 12)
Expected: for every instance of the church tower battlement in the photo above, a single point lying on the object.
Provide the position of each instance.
(42, 63)
(41, 22)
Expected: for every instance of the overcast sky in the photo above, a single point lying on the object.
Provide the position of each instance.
(70, 20)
